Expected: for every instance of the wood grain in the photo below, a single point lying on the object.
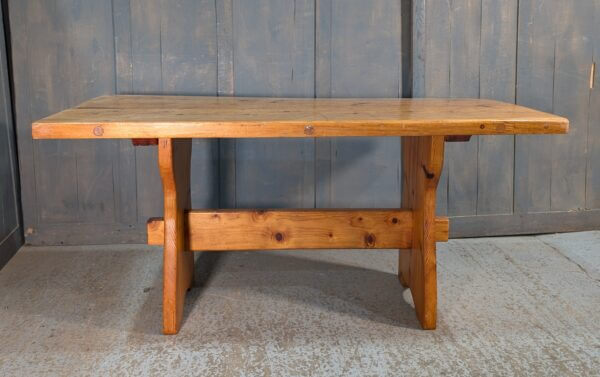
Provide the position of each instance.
(465, 41)
(593, 164)
(536, 47)
(574, 53)
(178, 263)
(208, 117)
(296, 229)
(422, 159)
(432, 56)
(272, 52)
(358, 172)
(154, 56)
(62, 182)
(497, 79)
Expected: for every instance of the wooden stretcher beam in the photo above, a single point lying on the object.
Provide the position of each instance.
(296, 229)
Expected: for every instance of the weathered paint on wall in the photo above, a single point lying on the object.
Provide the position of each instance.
(533, 52)
(99, 192)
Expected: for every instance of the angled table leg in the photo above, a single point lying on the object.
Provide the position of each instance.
(422, 160)
(178, 263)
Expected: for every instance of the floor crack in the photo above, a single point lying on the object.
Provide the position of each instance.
(558, 251)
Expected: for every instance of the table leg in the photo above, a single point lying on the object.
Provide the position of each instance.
(178, 263)
(422, 160)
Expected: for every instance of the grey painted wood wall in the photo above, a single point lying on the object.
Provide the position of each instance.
(537, 53)
(67, 51)
(11, 234)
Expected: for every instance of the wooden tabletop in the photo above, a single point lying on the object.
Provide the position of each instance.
(237, 117)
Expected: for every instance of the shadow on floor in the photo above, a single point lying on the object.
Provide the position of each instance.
(350, 291)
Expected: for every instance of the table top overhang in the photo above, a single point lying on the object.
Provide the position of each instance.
(146, 116)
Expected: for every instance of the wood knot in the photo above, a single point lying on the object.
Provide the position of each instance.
(369, 240)
(394, 221)
(427, 173)
(279, 237)
(259, 215)
(482, 126)
(98, 131)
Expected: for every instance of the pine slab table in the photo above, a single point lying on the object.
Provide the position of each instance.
(172, 121)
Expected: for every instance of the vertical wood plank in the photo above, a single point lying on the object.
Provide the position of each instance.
(323, 25)
(593, 159)
(89, 24)
(573, 57)
(275, 174)
(95, 185)
(465, 34)
(189, 67)
(274, 56)
(63, 54)
(8, 210)
(365, 173)
(54, 161)
(406, 48)
(125, 172)
(146, 60)
(11, 233)
(17, 14)
(418, 34)
(362, 172)
(224, 16)
(359, 31)
(173, 51)
(323, 157)
(535, 88)
(227, 182)
(9, 207)
(188, 47)
(497, 81)
(431, 65)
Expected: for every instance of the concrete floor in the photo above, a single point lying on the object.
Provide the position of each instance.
(507, 306)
